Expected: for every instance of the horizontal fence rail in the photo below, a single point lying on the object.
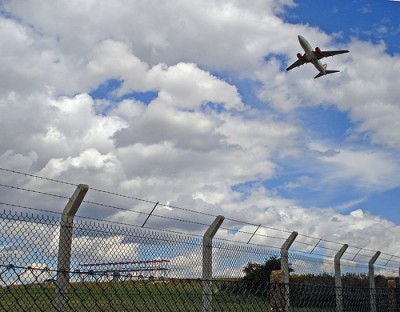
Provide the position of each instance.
(148, 256)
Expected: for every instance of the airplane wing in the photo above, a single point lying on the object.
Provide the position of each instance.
(323, 54)
(318, 54)
(295, 64)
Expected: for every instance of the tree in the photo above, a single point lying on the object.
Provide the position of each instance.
(257, 277)
(256, 272)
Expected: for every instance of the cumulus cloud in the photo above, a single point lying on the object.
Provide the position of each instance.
(367, 90)
(200, 136)
(368, 169)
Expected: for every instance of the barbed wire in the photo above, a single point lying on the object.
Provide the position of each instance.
(27, 208)
(384, 256)
(36, 176)
(33, 191)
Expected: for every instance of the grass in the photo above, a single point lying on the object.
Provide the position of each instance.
(171, 295)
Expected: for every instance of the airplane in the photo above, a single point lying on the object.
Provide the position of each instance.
(314, 57)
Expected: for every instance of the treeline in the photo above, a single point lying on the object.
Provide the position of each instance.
(313, 290)
(359, 280)
(260, 273)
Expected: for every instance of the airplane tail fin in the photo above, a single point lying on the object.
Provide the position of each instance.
(327, 72)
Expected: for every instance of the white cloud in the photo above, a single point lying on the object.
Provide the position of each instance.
(13, 161)
(88, 159)
(198, 137)
(357, 213)
(368, 169)
(114, 59)
(366, 89)
(35, 273)
(103, 249)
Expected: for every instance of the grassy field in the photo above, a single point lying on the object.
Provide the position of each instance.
(172, 295)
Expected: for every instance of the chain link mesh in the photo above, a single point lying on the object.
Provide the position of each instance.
(128, 268)
(142, 255)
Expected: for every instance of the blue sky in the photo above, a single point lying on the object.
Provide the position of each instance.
(367, 20)
(374, 21)
(190, 104)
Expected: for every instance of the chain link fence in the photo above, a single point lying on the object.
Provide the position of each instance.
(122, 268)
(148, 256)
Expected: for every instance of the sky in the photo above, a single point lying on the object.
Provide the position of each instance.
(189, 104)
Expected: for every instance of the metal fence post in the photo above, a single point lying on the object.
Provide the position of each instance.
(64, 247)
(285, 265)
(338, 278)
(207, 262)
(371, 276)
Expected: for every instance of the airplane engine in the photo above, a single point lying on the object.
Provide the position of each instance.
(299, 56)
(318, 50)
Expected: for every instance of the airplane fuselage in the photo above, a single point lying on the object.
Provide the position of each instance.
(310, 55)
(314, 57)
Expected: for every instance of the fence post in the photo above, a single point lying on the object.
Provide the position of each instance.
(207, 262)
(392, 295)
(338, 278)
(285, 265)
(371, 277)
(64, 247)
